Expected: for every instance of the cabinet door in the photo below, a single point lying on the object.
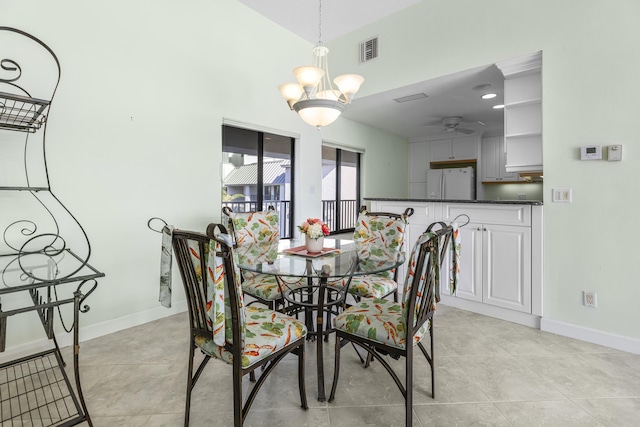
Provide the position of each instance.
(440, 150)
(490, 159)
(502, 163)
(506, 267)
(524, 153)
(470, 280)
(464, 148)
(418, 165)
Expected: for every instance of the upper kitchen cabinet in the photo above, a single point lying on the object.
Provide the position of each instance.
(494, 161)
(454, 149)
(418, 165)
(523, 113)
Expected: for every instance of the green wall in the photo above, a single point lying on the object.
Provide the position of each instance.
(135, 130)
(590, 71)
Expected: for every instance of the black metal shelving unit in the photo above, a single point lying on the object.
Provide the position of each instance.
(44, 251)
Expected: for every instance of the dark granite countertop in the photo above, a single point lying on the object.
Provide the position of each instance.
(488, 202)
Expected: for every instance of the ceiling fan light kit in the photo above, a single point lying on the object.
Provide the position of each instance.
(314, 97)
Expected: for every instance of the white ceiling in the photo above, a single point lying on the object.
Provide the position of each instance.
(451, 95)
(339, 17)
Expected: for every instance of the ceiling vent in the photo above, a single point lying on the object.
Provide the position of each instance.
(369, 50)
(408, 98)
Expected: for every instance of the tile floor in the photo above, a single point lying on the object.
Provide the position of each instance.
(488, 372)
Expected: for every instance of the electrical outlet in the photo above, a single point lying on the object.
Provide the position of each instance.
(589, 299)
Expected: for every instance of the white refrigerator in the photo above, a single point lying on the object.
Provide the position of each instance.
(451, 184)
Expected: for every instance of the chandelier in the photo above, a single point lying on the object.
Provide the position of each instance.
(314, 98)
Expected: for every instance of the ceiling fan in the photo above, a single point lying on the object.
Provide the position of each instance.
(452, 124)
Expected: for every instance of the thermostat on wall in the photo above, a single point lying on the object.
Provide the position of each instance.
(591, 152)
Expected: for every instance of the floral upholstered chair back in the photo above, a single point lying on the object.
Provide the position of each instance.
(218, 281)
(255, 227)
(379, 237)
(256, 236)
(424, 274)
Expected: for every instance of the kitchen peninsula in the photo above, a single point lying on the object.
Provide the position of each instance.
(501, 252)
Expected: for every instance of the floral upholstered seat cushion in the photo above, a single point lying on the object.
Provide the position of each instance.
(377, 319)
(372, 286)
(263, 286)
(262, 331)
(254, 227)
(385, 321)
(266, 332)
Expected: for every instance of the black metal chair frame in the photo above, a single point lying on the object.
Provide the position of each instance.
(422, 295)
(196, 293)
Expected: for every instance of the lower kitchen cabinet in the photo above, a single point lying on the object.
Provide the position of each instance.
(506, 266)
(495, 266)
(500, 259)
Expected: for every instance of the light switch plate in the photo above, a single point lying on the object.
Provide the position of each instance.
(561, 195)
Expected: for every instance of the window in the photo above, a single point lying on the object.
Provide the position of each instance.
(257, 173)
(340, 188)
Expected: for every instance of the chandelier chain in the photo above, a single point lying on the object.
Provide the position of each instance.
(319, 22)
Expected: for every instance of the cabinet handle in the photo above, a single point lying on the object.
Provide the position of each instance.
(484, 229)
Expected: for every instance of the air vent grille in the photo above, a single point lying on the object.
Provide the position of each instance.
(408, 98)
(369, 50)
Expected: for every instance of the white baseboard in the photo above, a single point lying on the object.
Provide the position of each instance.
(594, 336)
(525, 319)
(95, 331)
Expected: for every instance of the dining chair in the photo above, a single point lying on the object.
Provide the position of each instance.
(249, 229)
(384, 327)
(223, 327)
(379, 237)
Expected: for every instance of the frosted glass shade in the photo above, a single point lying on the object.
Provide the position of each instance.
(291, 92)
(349, 84)
(308, 76)
(319, 112)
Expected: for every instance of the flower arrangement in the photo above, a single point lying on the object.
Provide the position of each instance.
(314, 228)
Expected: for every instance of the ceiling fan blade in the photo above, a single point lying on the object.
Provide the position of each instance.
(465, 131)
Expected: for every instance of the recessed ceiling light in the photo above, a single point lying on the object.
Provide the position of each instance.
(497, 107)
(489, 95)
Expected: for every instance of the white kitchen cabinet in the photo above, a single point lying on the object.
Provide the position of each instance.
(418, 164)
(500, 260)
(495, 266)
(494, 161)
(456, 149)
(523, 112)
(469, 284)
(506, 267)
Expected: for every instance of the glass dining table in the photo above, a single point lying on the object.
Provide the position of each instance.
(315, 285)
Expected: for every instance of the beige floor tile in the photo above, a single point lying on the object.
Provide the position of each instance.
(612, 412)
(563, 413)
(473, 414)
(488, 372)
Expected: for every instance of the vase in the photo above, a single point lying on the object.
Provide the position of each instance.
(313, 246)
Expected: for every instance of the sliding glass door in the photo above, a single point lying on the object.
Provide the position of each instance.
(257, 172)
(340, 188)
